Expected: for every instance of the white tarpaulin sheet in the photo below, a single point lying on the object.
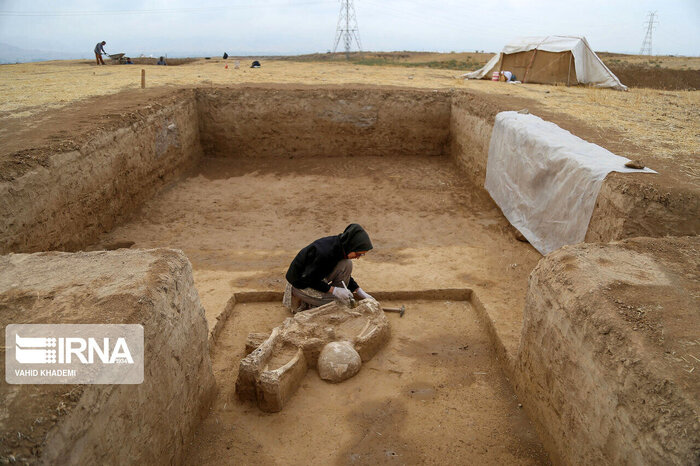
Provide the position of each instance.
(545, 179)
(590, 69)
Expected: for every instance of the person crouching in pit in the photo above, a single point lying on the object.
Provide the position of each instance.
(316, 275)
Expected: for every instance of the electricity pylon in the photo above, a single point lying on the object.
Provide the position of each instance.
(651, 24)
(347, 28)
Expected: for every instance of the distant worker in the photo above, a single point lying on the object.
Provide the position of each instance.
(321, 272)
(256, 64)
(128, 61)
(99, 51)
(507, 76)
(161, 61)
(225, 55)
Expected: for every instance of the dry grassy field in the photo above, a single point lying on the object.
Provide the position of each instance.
(658, 124)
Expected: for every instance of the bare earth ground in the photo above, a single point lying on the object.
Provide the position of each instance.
(241, 222)
(661, 127)
(636, 71)
(433, 395)
(672, 62)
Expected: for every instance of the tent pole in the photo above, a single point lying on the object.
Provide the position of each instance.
(527, 70)
(568, 75)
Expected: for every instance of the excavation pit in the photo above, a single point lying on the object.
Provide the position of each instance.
(435, 390)
(240, 179)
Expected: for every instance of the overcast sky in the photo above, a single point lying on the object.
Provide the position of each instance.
(210, 27)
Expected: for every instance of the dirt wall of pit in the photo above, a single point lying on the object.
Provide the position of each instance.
(627, 206)
(72, 197)
(608, 358)
(323, 122)
(66, 203)
(148, 423)
(471, 124)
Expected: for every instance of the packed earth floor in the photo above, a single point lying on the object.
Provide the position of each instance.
(240, 222)
(433, 394)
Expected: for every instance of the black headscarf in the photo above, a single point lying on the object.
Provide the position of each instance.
(355, 239)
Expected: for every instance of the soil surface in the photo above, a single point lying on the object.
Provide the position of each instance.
(656, 78)
(610, 340)
(75, 424)
(662, 124)
(242, 221)
(635, 71)
(30, 142)
(433, 395)
(659, 128)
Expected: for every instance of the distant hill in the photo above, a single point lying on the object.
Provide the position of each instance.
(11, 54)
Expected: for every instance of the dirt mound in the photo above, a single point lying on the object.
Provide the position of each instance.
(609, 349)
(656, 78)
(51, 423)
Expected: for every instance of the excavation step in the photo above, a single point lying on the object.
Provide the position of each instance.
(434, 394)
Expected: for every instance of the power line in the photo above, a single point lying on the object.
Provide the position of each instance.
(347, 28)
(650, 24)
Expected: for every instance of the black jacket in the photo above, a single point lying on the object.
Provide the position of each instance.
(317, 260)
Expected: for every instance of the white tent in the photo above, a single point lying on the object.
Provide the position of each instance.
(551, 59)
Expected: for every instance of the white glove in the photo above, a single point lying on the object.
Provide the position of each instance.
(342, 295)
(362, 294)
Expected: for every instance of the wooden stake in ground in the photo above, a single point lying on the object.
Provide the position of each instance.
(143, 79)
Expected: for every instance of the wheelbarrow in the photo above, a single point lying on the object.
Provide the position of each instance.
(117, 57)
